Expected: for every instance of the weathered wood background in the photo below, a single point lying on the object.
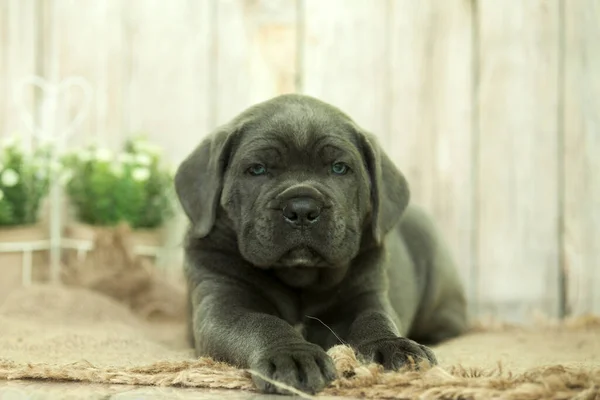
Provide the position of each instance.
(491, 108)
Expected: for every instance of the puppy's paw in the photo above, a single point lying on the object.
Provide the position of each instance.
(303, 366)
(396, 353)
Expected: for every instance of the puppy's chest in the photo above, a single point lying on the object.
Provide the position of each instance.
(310, 307)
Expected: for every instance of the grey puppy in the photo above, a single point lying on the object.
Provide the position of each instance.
(299, 218)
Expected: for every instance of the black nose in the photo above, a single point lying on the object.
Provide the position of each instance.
(302, 211)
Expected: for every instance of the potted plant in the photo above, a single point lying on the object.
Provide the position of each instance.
(24, 183)
(106, 189)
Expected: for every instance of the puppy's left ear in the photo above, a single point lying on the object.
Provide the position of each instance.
(199, 178)
(390, 194)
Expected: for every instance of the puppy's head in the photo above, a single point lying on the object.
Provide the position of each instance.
(299, 182)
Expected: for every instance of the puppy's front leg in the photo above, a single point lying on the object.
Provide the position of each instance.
(374, 334)
(238, 326)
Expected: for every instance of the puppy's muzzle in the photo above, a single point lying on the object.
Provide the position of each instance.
(301, 205)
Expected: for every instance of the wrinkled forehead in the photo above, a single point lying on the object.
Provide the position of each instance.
(299, 129)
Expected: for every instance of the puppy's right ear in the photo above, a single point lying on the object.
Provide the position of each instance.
(199, 179)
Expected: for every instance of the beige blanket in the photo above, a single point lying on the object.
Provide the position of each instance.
(70, 334)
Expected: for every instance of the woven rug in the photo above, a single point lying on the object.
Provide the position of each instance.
(72, 334)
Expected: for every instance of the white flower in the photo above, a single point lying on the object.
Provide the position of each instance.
(140, 174)
(9, 178)
(103, 154)
(143, 159)
(1, 194)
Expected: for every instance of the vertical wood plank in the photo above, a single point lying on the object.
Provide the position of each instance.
(167, 82)
(87, 42)
(18, 39)
(344, 58)
(431, 136)
(255, 53)
(3, 64)
(518, 163)
(581, 153)
(110, 74)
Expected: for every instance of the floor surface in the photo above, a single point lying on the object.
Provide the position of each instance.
(28, 390)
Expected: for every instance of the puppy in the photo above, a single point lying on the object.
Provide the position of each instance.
(297, 217)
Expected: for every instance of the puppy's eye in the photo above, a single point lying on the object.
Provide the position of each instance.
(257, 169)
(339, 168)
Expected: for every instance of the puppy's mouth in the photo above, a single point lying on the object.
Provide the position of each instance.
(302, 257)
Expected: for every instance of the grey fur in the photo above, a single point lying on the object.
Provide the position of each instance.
(371, 268)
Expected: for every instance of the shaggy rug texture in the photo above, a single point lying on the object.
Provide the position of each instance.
(76, 334)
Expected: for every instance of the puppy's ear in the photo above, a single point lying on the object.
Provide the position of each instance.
(389, 189)
(199, 179)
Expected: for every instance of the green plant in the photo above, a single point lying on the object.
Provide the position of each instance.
(132, 186)
(24, 182)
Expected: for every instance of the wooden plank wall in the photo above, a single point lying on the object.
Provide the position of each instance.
(580, 153)
(431, 135)
(490, 109)
(517, 153)
(18, 57)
